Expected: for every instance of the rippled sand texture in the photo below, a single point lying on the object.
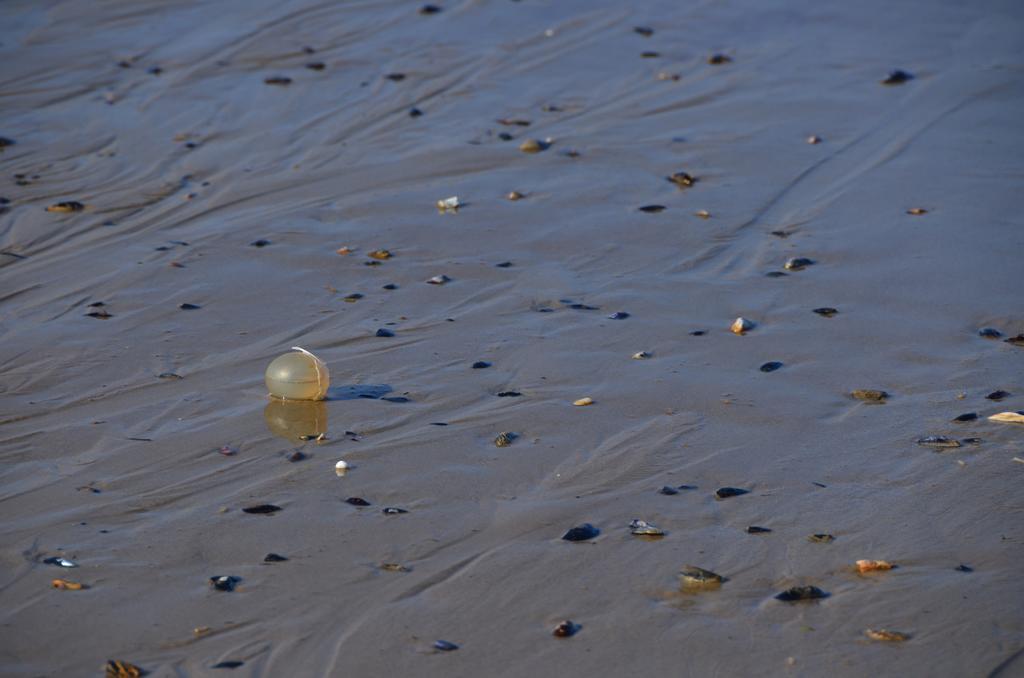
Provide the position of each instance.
(108, 465)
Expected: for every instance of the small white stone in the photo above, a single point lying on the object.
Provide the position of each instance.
(439, 280)
(1008, 417)
(451, 204)
(582, 402)
(641, 355)
(342, 467)
(741, 325)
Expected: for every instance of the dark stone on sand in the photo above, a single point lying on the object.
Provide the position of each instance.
(357, 501)
(682, 179)
(295, 455)
(584, 532)
(396, 399)
(445, 646)
(509, 394)
(973, 441)
(389, 286)
(261, 509)
(826, 311)
(998, 395)
(395, 77)
(566, 629)
(650, 55)
(726, 492)
(189, 307)
(798, 263)
(227, 665)
(668, 490)
(430, 9)
(798, 593)
(869, 395)
(384, 333)
(775, 274)
(274, 558)
(963, 568)
(278, 80)
(938, 441)
(316, 66)
(969, 416)
(259, 243)
(415, 112)
(504, 264)
(698, 333)
(644, 31)
(481, 365)
(584, 307)
(618, 315)
(693, 575)
(897, 77)
(822, 538)
(651, 209)
(5, 142)
(66, 206)
(392, 510)
(754, 529)
(718, 59)
(224, 582)
(505, 136)
(989, 333)
(770, 366)
(1016, 341)
(100, 315)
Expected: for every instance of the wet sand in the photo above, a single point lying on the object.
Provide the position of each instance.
(107, 464)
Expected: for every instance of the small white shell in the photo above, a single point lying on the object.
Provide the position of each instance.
(741, 325)
(1008, 417)
(451, 204)
(641, 355)
(582, 402)
(439, 280)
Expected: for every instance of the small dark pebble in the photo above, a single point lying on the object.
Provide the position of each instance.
(970, 416)
(481, 365)
(989, 333)
(566, 629)
(389, 286)
(963, 568)
(395, 399)
(227, 665)
(698, 333)
(316, 66)
(754, 529)
(505, 136)
(438, 423)
(224, 582)
(618, 315)
(261, 509)
(352, 298)
(668, 490)
(726, 492)
(826, 311)
(651, 209)
(822, 538)
(385, 333)
(718, 59)
(938, 441)
(357, 501)
(295, 455)
(278, 80)
(770, 367)
(154, 70)
(274, 558)
(584, 532)
(973, 441)
(5, 142)
(168, 375)
(775, 274)
(798, 263)
(504, 264)
(1016, 341)
(429, 9)
(308, 50)
(650, 55)
(509, 394)
(101, 315)
(66, 206)
(415, 112)
(584, 307)
(801, 593)
(259, 243)
(395, 77)
(644, 31)
(189, 307)
(682, 179)
(392, 510)
(445, 646)
(997, 395)
(897, 77)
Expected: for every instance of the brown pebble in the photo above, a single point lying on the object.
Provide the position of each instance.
(565, 629)
(381, 255)
(814, 139)
(68, 206)
(278, 80)
(703, 214)
(532, 146)
(869, 395)
(718, 59)
(515, 195)
(917, 210)
(886, 635)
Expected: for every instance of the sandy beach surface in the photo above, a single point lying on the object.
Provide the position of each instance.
(134, 431)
